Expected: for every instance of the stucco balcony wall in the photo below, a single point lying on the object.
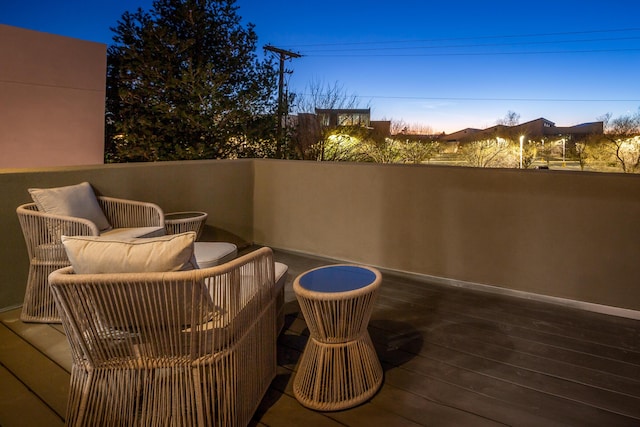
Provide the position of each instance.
(223, 189)
(570, 235)
(567, 235)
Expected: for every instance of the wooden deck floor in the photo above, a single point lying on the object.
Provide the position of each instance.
(452, 357)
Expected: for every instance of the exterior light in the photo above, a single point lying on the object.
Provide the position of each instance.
(521, 140)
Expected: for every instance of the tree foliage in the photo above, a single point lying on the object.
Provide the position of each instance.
(404, 128)
(319, 94)
(385, 151)
(418, 152)
(529, 153)
(510, 119)
(338, 147)
(184, 82)
(489, 153)
(623, 135)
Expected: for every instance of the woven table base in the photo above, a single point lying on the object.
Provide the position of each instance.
(333, 377)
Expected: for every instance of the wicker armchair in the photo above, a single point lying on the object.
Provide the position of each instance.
(180, 348)
(42, 233)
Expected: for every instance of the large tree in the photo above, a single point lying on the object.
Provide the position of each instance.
(184, 82)
(623, 135)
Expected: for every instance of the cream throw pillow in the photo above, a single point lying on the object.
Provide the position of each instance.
(74, 200)
(96, 255)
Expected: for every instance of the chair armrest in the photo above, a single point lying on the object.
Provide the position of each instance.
(123, 213)
(41, 228)
(241, 290)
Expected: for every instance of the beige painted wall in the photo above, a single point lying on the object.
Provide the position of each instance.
(563, 234)
(222, 188)
(52, 97)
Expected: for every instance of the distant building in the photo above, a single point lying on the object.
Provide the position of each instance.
(534, 130)
(344, 117)
(335, 118)
(309, 127)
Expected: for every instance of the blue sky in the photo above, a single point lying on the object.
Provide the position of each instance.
(446, 65)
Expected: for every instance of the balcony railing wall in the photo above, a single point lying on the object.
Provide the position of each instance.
(569, 235)
(560, 234)
(223, 189)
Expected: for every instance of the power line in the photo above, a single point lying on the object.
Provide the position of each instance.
(431, 98)
(468, 38)
(548, 52)
(473, 45)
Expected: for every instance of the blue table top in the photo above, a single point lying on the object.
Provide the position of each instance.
(337, 278)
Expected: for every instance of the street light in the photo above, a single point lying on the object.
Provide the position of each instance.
(521, 139)
(563, 149)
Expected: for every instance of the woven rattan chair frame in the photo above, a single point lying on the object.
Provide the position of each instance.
(123, 213)
(181, 222)
(193, 348)
(339, 367)
(42, 234)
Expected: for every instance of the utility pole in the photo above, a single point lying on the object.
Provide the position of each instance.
(283, 54)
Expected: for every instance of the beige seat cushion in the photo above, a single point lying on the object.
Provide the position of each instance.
(210, 254)
(97, 254)
(134, 232)
(77, 201)
(281, 278)
(281, 274)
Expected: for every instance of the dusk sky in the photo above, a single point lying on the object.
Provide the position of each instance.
(447, 65)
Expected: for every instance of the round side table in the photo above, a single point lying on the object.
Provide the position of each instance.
(339, 367)
(180, 222)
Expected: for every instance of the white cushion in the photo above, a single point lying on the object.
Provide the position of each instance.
(210, 254)
(281, 278)
(281, 274)
(74, 200)
(96, 254)
(134, 232)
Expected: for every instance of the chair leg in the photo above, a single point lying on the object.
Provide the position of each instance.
(39, 305)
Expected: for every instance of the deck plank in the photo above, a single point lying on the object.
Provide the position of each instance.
(523, 393)
(492, 327)
(20, 407)
(281, 410)
(604, 328)
(46, 338)
(39, 373)
(619, 340)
